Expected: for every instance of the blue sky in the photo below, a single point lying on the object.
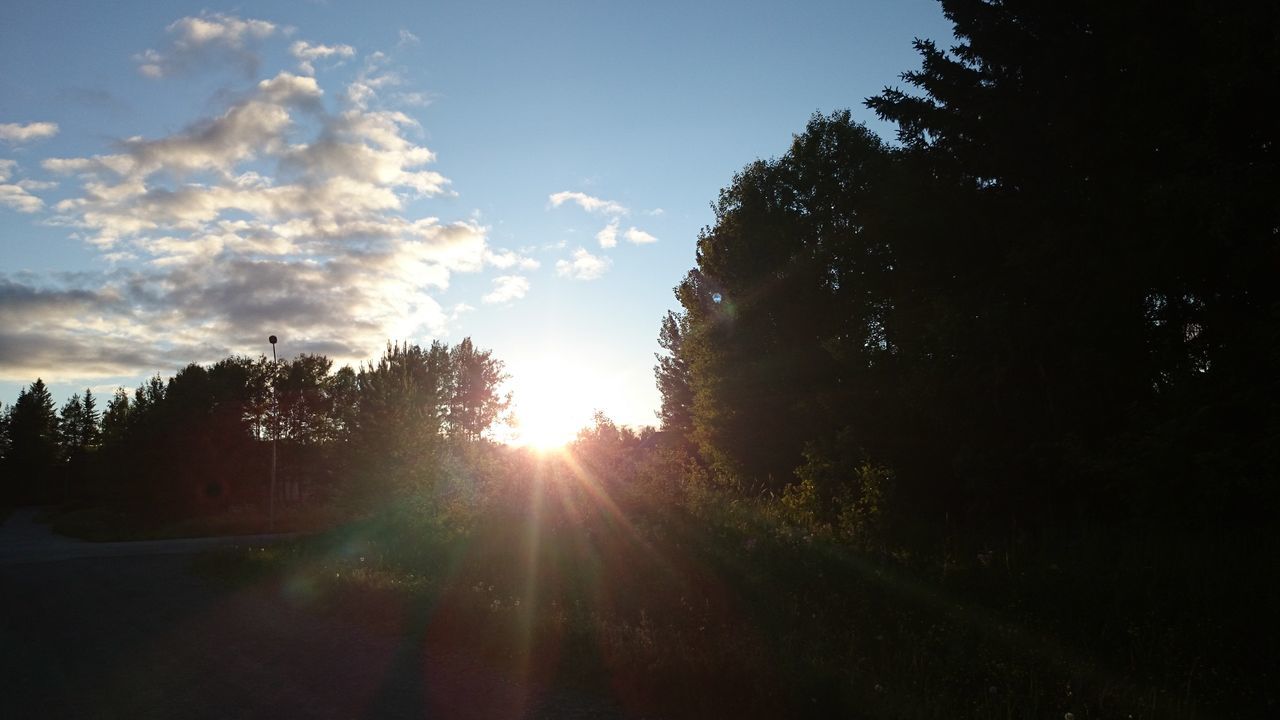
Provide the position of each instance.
(179, 180)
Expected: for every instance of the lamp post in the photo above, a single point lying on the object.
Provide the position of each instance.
(275, 431)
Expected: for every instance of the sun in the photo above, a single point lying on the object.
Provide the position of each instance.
(551, 403)
(546, 419)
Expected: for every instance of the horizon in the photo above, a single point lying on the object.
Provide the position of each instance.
(179, 186)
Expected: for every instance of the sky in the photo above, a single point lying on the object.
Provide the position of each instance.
(178, 180)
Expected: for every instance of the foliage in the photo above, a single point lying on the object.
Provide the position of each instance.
(672, 375)
(1052, 281)
(982, 424)
(475, 403)
(197, 444)
(32, 445)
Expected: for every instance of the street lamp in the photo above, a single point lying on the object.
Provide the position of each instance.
(275, 430)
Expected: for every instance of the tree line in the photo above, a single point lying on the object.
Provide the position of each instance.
(1052, 301)
(199, 441)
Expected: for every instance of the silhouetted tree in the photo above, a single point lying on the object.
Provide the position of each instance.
(115, 419)
(672, 375)
(792, 268)
(71, 427)
(476, 402)
(33, 445)
(90, 423)
(397, 438)
(1105, 204)
(5, 440)
(306, 404)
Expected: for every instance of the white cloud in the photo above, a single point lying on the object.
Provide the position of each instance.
(608, 236)
(412, 99)
(587, 202)
(656, 212)
(583, 266)
(18, 133)
(196, 41)
(637, 236)
(218, 28)
(507, 288)
(307, 54)
(15, 195)
(19, 199)
(270, 215)
(504, 259)
(407, 38)
(371, 79)
(359, 163)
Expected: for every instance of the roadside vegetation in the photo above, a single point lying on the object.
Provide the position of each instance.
(625, 570)
(981, 423)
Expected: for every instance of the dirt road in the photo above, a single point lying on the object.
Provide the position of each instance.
(126, 630)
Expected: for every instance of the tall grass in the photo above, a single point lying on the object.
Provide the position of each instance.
(647, 581)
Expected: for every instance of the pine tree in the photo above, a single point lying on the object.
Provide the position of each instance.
(90, 428)
(115, 420)
(71, 425)
(33, 451)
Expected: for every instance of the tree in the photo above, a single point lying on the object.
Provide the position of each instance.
(604, 446)
(476, 402)
(71, 427)
(793, 267)
(90, 429)
(1106, 176)
(33, 444)
(306, 404)
(115, 420)
(396, 442)
(672, 375)
(5, 442)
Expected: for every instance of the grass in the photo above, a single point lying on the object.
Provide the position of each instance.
(723, 608)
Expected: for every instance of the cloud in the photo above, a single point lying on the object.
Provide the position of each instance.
(206, 40)
(412, 99)
(507, 288)
(588, 203)
(583, 266)
(28, 348)
(307, 54)
(359, 164)
(407, 38)
(371, 79)
(15, 195)
(608, 236)
(636, 236)
(271, 215)
(19, 199)
(504, 259)
(19, 133)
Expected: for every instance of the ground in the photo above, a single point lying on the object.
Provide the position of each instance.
(129, 630)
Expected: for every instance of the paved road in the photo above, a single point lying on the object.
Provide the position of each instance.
(125, 630)
(24, 541)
